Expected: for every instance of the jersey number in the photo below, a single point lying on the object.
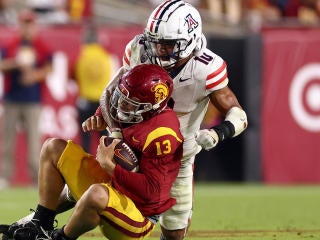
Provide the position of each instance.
(163, 147)
(204, 58)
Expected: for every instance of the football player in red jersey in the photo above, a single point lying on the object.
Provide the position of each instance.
(126, 205)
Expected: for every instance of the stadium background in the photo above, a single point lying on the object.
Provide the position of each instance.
(275, 73)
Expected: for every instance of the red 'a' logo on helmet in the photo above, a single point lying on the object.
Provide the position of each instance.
(192, 23)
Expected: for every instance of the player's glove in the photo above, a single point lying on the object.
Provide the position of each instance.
(207, 138)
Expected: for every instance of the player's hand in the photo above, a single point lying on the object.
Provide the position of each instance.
(94, 123)
(207, 138)
(105, 155)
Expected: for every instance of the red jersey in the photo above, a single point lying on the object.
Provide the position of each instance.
(158, 145)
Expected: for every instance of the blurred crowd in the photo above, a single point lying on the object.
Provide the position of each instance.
(47, 11)
(253, 14)
(247, 14)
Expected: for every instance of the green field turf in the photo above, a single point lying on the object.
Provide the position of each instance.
(222, 211)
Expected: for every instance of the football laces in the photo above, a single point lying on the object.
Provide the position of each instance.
(130, 151)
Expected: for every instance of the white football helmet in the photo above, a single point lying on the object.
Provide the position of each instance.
(173, 23)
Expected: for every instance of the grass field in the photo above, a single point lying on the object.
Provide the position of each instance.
(222, 211)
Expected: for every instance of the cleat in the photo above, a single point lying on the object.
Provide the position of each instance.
(4, 228)
(56, 234)
(27, 232)
(45, 235)
(9, 230)
(32, 231)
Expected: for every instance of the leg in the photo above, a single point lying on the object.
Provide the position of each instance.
(31, 114)
(175, 222)
(177, 234)
(66, 201)
(51, 184)
(86, 215)
(50, 180)
(10, 118)
(115, 213)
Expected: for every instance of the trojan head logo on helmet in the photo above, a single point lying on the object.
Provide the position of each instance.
(161, 92)
(141, 93)
(177, 25)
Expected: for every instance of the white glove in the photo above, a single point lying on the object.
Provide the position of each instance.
(207, 138)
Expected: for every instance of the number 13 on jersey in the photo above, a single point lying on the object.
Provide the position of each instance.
(163, 147)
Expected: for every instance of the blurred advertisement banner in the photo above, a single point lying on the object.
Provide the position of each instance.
(290, 111)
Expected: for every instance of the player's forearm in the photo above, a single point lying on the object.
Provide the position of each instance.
(105, 99)
(234, 124)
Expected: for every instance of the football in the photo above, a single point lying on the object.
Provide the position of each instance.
(123, 155)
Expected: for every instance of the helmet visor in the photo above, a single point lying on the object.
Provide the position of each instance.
(126, 110)
(164, 52)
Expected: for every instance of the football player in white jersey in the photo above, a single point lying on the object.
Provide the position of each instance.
(173, 39)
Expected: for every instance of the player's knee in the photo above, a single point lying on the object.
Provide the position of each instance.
(96, 197)
(178, 234)
(52, 149)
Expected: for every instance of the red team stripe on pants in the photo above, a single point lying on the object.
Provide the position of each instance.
(128, 221)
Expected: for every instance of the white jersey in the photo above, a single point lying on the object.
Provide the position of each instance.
(201, 75)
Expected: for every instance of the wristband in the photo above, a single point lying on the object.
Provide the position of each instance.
(224, 130)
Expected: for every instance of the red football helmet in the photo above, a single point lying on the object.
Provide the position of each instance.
(141, 93)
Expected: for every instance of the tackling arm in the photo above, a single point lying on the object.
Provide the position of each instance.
(105, 97)
(235, 119)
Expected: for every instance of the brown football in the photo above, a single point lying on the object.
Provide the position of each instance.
(123, 155)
